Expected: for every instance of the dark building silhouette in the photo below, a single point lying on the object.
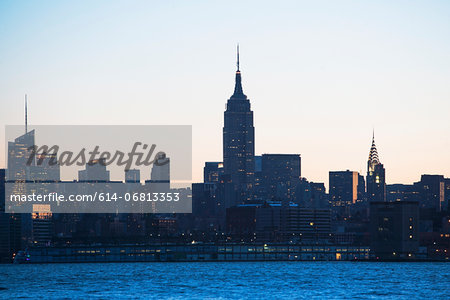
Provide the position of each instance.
(10, 227)
(46, 169)
(376, 178)
(226, 193)
(239, 141)
(281, 174)
(313, 225)
(212, 171)
(206, 209)
(258, 164)
(319, 198)
(258, 187)
(447, 193)
(343, 188)
(241, 221)
(163, 225)
(303, 193)
(394, 229)
(4, 221)
(402, 192)
(362, 197)
(311, 195)
(43, 229)
(431, 189)
(277, 222)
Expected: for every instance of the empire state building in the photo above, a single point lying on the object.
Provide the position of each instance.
(239, 141)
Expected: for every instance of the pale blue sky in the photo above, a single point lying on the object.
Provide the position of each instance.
(320, 74)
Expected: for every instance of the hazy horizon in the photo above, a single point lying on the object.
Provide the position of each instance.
(320, 76)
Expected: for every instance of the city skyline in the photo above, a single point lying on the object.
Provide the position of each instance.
(322, 106)
(234, 149)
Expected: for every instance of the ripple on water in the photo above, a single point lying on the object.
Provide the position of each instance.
(227, 280)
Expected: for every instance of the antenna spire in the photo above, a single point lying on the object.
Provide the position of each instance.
(237, 57)
(238, 93)
(26, 114)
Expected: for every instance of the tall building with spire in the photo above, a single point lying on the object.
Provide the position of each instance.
(376, 178)
(239, 141)
(19, 152)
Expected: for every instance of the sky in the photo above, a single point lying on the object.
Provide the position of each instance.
(320, 75)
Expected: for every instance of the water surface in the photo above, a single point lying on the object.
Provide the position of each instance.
(227, 280)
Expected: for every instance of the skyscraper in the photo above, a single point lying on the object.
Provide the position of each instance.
(239, 141)
(376, 179)
(212, 171)
(160, 174)
(431, 189)
(311, 195)
(19, 152)
(161, 169)
(281, 174)
(26, 164)
(343, 188)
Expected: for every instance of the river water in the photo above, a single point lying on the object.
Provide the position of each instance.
(228, 280)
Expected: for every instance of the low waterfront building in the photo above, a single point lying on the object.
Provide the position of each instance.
(194, 252)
